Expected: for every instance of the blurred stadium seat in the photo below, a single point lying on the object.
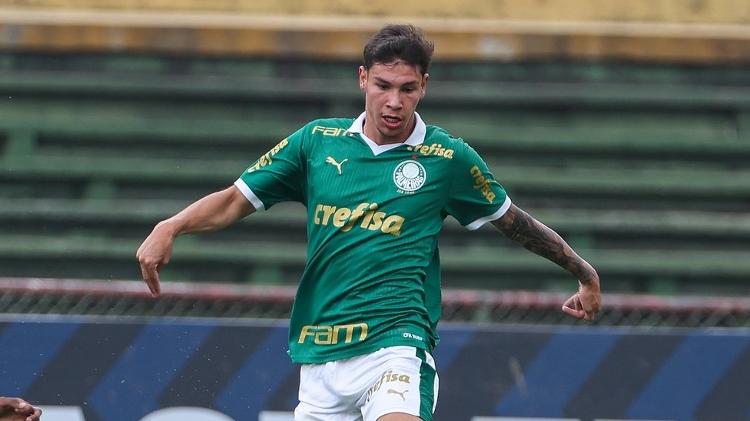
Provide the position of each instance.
(649, 178)
(642, 165)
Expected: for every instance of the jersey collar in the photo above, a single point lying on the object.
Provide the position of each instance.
(416, 137)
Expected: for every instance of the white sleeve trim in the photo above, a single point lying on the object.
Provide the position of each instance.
(500, 212)
(249, 195)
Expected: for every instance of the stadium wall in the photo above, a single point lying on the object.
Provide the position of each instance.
(649, 31)
(210, 370)
(695, 11)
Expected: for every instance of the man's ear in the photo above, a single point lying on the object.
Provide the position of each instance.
(423, 87)
(362, 77)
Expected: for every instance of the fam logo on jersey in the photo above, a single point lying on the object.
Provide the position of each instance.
(409, 176)
(331, 335)
(329, 131)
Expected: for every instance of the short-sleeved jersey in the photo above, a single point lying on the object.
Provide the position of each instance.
(372, 276)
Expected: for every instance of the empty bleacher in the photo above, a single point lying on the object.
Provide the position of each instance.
(645, 169)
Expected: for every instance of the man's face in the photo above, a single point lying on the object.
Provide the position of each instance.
(392, 92)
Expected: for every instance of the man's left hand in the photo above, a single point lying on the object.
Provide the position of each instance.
(585, 303)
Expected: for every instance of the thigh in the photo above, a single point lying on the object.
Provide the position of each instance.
(319, 401)
(406, 390)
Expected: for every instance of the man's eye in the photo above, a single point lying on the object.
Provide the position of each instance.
(384, 87)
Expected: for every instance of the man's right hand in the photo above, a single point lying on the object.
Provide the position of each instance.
(15, 409)
(154, 253)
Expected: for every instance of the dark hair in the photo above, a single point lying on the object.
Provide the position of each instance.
(399, 42)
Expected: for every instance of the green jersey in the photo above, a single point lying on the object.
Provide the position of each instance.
(374, 212)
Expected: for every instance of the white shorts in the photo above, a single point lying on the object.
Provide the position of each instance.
(364, 388)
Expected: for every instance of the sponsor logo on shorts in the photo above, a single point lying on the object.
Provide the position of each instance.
(409, 176)
(396, 392)
(482, 183)
(331, 335)
(365, 216)
(389, 378)
(266, 159)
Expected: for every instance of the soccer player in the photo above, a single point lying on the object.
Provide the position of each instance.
(377, 189)
(17, 409)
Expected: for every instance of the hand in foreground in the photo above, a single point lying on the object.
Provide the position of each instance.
(16, 409)
(153, 254)
(585, 303)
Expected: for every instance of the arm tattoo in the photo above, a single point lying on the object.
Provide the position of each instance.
(540, 239)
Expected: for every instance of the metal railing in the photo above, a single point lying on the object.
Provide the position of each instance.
(131, 298)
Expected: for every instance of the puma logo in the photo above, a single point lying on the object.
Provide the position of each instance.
(332, 161)
(396, 392)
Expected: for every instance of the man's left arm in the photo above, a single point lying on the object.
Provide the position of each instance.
(542, 240)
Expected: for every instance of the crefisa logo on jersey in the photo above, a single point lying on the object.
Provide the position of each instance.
(409, 176)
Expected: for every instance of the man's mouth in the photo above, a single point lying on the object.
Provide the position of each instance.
(392, 122)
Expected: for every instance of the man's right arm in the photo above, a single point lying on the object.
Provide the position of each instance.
(211, 213)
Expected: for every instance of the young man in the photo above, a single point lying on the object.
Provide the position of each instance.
(377, 189)
(17, 409)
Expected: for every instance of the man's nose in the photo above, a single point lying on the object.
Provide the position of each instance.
(393, 100)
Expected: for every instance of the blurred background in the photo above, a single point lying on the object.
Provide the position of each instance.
(625, 126)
